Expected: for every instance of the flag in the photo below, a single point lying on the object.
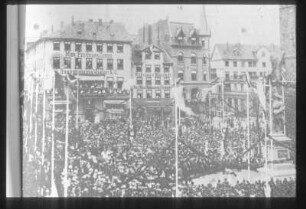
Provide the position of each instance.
(258, 90)
(69, 85)
(180, 100)
(128, 84)
(205, 91)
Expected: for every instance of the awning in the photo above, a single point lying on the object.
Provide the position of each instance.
(114, 102)
(92, 78)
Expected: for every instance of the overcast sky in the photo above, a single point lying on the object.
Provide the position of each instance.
(260, 22)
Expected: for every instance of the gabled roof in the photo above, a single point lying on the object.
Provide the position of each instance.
(106, 31)
(137, 49)
(179, 26)
(228, 51)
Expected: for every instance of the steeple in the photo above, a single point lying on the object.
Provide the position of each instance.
(204, 29)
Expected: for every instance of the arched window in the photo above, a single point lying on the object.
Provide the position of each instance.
(180, 57)
(193, 59)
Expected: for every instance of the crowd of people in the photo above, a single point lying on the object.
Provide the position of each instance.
(106, 160)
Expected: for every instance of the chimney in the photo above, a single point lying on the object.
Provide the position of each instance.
(62, 24)
(100, 21)
(90, 20)
(72, 20)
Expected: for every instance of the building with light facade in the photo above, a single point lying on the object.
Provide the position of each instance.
(98, 53)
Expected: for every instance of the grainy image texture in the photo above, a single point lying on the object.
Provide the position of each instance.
(177, 101)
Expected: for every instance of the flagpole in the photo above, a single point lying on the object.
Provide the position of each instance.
(223, 136)
(52, 139)
(271, 122)
(66, 146)
(131, 107)
(284, 115)
(77, 105)
(266, 150)
(31, 112)
(44, 127)
(248, 130)
(176, 148)
(36, 110)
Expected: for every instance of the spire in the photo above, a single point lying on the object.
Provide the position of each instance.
(204, 29)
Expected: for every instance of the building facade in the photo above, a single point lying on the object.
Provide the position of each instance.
(188, 48)
(287, 17)
(98, 53)
(230, 63)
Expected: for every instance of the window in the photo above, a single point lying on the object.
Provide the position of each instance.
(250, 64)
(227, 87)
(193, 76)
(157, 94)
(148, 81)
(110, 84)
(167, 81)
(157, 80)
(138, 69)
(120, 64)
(88, 47)
(109, 48)
(139, 94)
(119, 48)
(167, 94)
(139, 80)
(99, 47)
(88, 63)
(263, 64)
(78, 47)
(227, 75)
(180, 57)
(230, 102)
(147, 55)
(99, 64)
(149, 94)
(203, 43)
(241, 87)
(193, 59)
(235, 75)
(166, 69)
(56, 45)
(157, 69)
(235, 63)
(56, 62)
(180, 75)
(226, 63)
(78, 63)
(67, 46)
(67, 62)
(148, 69)
(119, 84)
(204, 76)
(157, 55)
(204, 61)
(110, 64)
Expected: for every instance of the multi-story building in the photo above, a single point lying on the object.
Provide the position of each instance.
(153, 70)
(98, 53)
(187, 46)
(288, 45)
(230, 62)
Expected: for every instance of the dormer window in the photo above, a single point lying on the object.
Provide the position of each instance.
(180, 34)
(180, 57)
(148, 54)
(193, 36)
(236, 52)
(157, 55)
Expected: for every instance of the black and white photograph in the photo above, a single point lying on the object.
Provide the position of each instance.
(169, 100)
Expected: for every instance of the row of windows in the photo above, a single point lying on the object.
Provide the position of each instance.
(250, 64)
(148, 69)
(148, 81)
(148, 94)
(193, 58)
(148, 55)
(194, 76)
(89, 47)
(236, 75)
(89, 63)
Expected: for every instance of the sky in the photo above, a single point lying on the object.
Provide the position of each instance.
(260, 23)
